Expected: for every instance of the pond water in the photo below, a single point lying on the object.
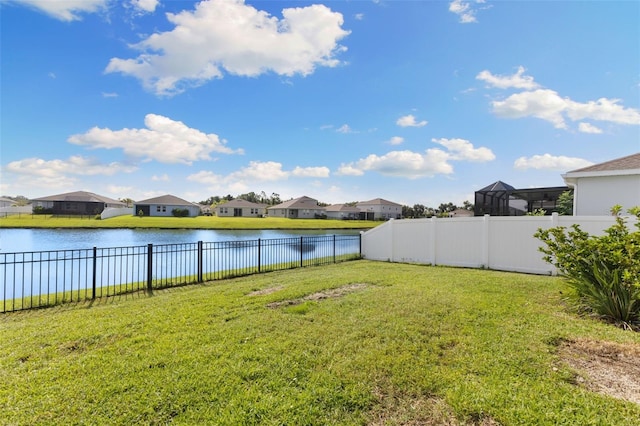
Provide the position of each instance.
(27, 240)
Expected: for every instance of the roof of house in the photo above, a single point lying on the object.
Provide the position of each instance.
(169, 200)
(378, 202)
(298, 203)
(239, 203)
(342, 208)
(624, 163)
(80, 196)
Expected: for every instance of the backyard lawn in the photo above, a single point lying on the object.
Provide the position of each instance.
(200, 222)
(355, 343)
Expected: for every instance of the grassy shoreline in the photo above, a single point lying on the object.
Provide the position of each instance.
(349, 344)
(200, 222)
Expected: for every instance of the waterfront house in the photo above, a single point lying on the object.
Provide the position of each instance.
(240, 208)
(76, 203)
(379, 209)
(298, 208)
(164, 206)
(342, 211)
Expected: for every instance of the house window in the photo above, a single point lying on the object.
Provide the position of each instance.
(157, 208)
(164, 208)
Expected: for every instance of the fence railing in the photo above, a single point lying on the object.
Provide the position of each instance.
(45, 278)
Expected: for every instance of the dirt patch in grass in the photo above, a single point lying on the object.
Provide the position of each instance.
(407, 410)
(265, 291)
(321, 295)
(609, 368)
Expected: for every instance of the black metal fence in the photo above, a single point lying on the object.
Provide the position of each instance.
(45, 278)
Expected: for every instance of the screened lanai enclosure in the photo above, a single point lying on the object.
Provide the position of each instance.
(501, 199)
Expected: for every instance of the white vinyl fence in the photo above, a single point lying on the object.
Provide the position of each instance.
(116, 211)
(492, 242)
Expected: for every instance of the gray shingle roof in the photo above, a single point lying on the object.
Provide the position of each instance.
(625, 163)
(169, 200)
(80, 196)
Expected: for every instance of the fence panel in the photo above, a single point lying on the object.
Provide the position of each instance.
(37, 279)
(494, 242)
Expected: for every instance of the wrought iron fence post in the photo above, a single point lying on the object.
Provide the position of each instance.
(259, 254)
(200, 261)
(95, 265)
(149, 267)
(334, 248)
(301, 251)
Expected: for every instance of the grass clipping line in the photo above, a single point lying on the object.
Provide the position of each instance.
(608, 368)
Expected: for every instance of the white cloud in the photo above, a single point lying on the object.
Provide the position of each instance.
(164, 140)
(517, 80)
(260, 171)
(589, 128)
(414, 165)
(410, 121)
(206, 177)
(162, 178)
(344, 129)
(548, 105)
(316, 172)
(396, 140)
(66, 10)
(76, 165)
(109, 95)
(407, 164)
(359, 16)
(550, 162)
(237, 38)
(465, 10)
(463, 150)
(148, 6)
(349, 170)
(256, 172)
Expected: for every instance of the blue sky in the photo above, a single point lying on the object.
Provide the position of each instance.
(417, 102)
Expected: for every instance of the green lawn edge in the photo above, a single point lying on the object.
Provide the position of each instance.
(199, 222)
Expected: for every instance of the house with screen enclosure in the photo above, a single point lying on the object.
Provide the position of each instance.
(75, 203)
(502, 199)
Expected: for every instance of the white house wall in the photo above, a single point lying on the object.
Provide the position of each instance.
(596, 195)
(493, 242)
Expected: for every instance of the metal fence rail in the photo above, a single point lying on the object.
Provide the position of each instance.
(46, 278)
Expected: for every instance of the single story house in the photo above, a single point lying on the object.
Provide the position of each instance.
(164, 206)
(6, 202)
(601, 186)
(342, 211)
(298, 208)
(240, 208)
(379, 209)
(76, 203)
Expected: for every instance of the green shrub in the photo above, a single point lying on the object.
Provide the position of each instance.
(603, 271)
(178, 212)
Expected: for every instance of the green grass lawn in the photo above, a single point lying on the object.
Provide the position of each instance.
(354, 343)
(200, 222)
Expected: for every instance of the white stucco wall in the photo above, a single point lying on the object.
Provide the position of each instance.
(594, 196)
